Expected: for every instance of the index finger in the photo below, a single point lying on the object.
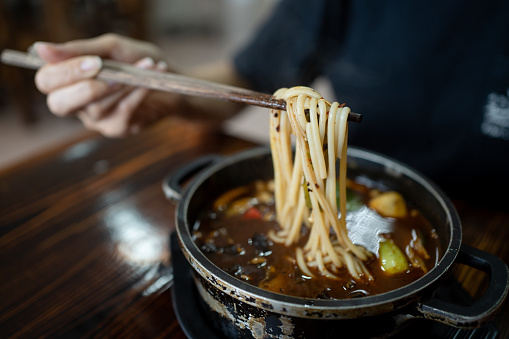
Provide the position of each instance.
(109, 46)
(67, 72)
(53, 52)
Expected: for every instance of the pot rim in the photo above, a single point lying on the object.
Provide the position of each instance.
(260, 297)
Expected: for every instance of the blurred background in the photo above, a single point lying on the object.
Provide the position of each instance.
(191, 31)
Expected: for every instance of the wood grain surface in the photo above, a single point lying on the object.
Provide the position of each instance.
(76, 223)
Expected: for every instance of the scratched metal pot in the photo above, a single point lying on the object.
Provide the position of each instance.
(237, 309)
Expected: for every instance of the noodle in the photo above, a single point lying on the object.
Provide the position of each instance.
(320, 130)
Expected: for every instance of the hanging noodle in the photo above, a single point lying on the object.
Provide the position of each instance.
(309, 177)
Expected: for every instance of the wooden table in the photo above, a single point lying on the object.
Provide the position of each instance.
(84, 232)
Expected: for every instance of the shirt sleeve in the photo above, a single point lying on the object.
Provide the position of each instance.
(284, 52)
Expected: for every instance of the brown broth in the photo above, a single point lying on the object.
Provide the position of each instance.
(241, 247)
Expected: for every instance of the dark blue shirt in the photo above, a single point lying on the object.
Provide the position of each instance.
(431, 79)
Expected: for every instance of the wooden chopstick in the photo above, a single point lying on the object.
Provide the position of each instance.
(114, 71)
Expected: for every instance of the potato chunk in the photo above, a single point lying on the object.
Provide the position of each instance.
(389, 204)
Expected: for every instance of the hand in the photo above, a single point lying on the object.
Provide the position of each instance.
(69, 81)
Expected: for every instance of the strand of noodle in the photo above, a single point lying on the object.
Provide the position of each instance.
(300, 113)
(338, 266)
(315, 144)
(314, 264)
(280, 134)
(278, 171)
(285, 143)
(281, 92)
(290, 107)
(294, 187)
(349, 262)
(337, 118)
(296, 180)
(313, 117)
(342, 190)
(301, 263)
(275, 237)
(321, 266)
(331, 178)
(324, 117)
(313, 152)
(342, 134)
(276, 116)
(312, 243)
(342, 197)
(326, 260)
(326, 222)
(316, 138)
(282, 233)
(297, 221)
(366, 272)
(361, 268)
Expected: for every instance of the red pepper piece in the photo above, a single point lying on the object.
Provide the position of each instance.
(252, 213)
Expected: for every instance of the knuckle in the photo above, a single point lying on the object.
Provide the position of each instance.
(87, 123)
(94, 111)
(110, 39)
(110, 36)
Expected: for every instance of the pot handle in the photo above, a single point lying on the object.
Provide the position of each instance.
(172, 183)
(482, 310)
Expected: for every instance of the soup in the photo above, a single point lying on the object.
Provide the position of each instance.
(238, 234)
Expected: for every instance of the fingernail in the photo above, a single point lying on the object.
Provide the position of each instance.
(146, 63)
(91, 63)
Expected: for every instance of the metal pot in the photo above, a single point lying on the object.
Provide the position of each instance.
(238, 309)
